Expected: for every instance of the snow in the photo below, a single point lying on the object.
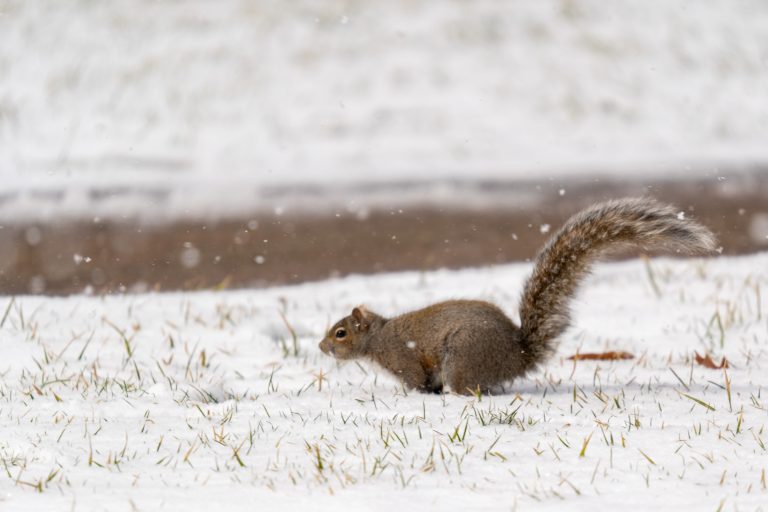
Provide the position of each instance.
(165, 108)
(194, 401)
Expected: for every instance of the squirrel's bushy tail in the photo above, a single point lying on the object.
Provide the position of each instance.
(566, 259)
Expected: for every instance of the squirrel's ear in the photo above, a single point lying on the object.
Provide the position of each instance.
(362, 317)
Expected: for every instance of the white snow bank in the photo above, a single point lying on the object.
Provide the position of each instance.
(168, 108)
(198, 401)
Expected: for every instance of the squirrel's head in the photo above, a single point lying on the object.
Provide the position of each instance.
(347, 338)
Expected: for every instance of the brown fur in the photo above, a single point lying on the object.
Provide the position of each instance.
(472, 346)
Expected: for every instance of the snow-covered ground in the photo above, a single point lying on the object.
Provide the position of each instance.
(202, 401)
(173, 107)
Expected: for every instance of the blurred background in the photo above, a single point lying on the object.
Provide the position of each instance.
(190, 144)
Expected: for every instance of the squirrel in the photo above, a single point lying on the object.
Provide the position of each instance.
(471, 346)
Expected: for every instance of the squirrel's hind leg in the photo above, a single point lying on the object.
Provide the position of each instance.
(460, 374)
(480, 360)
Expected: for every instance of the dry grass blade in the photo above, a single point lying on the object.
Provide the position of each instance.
(292, 332)
(7, 311)
(699, 401)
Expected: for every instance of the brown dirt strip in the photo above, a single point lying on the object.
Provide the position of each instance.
(113, 256)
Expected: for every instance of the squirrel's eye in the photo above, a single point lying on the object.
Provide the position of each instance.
(341, 333)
